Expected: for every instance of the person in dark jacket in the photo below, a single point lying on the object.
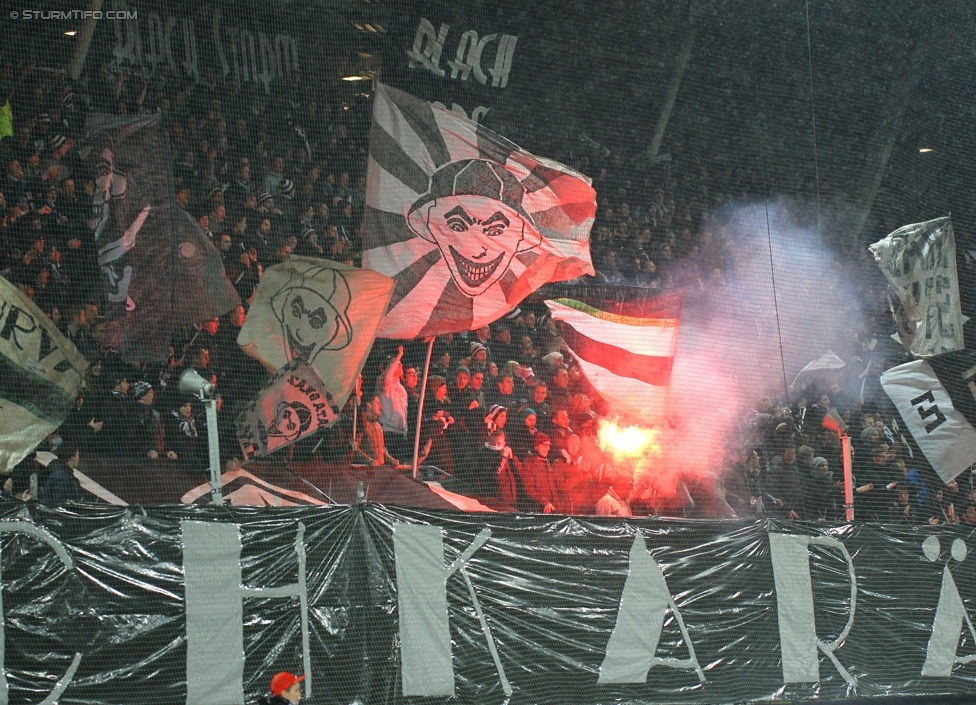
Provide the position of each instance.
(62, 486)
(493, 471)
(184, 438)
(822, 498)
(285, 689)
(538, 477)
(148, 434)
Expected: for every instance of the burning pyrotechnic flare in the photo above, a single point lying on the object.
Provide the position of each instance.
(628, 441)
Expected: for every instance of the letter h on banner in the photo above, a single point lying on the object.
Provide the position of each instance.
(794, 604)
(215, 594)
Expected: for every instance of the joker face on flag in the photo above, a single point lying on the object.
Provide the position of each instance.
(465, 222)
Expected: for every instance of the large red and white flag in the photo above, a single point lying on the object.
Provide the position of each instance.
(466, 222)
(625, 350)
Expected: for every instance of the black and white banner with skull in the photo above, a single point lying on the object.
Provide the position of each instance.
(320, 312)
(466, 222)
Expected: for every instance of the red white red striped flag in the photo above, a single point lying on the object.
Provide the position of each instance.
(626, 350)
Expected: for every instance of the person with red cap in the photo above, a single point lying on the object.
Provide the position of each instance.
(285, 689)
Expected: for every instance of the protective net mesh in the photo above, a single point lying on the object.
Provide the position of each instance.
(664, 304)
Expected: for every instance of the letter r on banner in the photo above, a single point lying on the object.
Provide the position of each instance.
(794, 605)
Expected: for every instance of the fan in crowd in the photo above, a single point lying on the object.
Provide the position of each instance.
(509, 415)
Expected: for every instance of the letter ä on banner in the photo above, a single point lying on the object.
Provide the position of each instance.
(941, 653)
(25, 527)
(644, 604)
(214, 594)
(794, 605)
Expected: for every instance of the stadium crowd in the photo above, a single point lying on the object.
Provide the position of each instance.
(508, 417)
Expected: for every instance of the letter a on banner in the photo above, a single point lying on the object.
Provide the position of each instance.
(794, 604)
(643, 607)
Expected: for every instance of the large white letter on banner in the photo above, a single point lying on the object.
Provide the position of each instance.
(425, 635)
(61, 551)
(643, 607)
(940, 655)
(215, 610)
(794, 603)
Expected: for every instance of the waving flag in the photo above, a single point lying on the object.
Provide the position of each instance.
(293, 405)
(158, 270)
(318, 311)
(466, 223)
(919, 262)
(626, 350)
(937, 407)
(40, 374)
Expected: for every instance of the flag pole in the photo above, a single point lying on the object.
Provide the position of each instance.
(420, 406)
(845, 444)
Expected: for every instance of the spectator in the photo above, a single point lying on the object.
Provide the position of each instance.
(62, 486)
(393, 405)
(437, 423)
(493, 472)
(285, 690)
(148, 435)
(821, 495)
(370, 447)
(538, 477)
(183, 439)
(524, 432)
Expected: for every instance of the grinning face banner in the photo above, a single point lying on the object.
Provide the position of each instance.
(473, 213)
(318, 312)
(294, 404)
(313, 319)
(465, 222)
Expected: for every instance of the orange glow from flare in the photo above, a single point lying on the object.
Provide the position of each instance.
(629, 441)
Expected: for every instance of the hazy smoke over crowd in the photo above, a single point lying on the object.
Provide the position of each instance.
(779, 302)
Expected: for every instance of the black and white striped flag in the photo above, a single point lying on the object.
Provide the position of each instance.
(466, 223)
(936, 399)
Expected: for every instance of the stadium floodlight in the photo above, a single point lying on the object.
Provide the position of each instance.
(192, 383)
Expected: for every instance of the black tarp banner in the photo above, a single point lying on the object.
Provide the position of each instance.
(383, 604)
